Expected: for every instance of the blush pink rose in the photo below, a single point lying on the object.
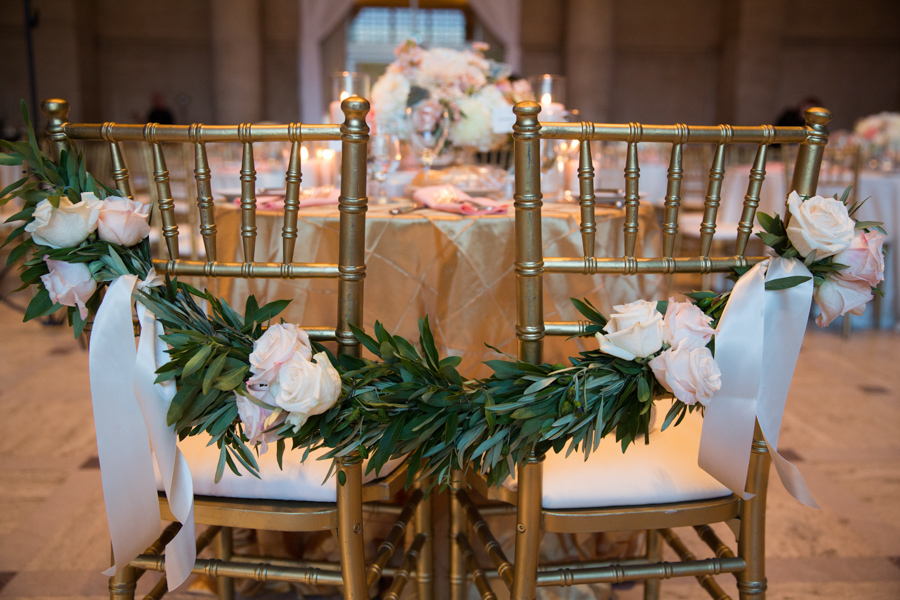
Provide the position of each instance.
(692, 375)
(838, 296)
(864, 258)
(275, 347)
(69, 284)
(123, 222)
(687, 326)
(254, 417)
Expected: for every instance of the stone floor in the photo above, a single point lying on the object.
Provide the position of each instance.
(841, 427)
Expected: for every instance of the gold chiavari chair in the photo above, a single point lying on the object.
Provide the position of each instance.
(659, 486)
(301, 502)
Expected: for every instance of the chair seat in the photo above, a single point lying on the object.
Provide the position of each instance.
(663, 471)
(301, 481)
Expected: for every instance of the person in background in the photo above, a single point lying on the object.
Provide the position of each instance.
(793, 116)
(160, 113)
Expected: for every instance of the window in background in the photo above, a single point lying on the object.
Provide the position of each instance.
(374, 32)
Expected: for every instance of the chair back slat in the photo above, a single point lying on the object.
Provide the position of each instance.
(751, 200)
(205, 201)
(674, 177)
(713, 198)
(531, 264)
(248, 195)
(586, 197)
(164, 194)
(117, 162)
(350, 270)
(292, 180)
(632, 195)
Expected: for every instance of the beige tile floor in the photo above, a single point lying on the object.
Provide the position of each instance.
(843, 423)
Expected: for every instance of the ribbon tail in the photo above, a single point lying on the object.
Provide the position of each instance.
(730, 418)
(787, 313)
(154, 400)
(126, 467)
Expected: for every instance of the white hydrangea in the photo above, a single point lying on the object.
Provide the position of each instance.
(474, 128)
(389, 96)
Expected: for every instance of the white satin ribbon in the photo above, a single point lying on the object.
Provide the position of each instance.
(760, 334)
(130, 415)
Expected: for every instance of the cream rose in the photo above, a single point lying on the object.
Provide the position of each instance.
(70, 284)
(277, 345)
(864, 258)
(635, 330)
(123, 222)
(306, 388)
(687, 326)
(820, 224)
(66, 226)
(692, 375)
(838, 296)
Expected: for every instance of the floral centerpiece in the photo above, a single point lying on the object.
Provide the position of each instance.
(880, 131)
(465, 82)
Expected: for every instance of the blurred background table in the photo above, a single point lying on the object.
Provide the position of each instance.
(457, 269)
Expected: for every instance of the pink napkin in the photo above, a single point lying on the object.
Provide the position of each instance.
(450, 198)
(314, 199)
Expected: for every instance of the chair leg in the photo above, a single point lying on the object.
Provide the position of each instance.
(123, 583)
(350, 529)
(225, 550)
(425, 564)
(528, 528)
(654, 554)
(751, 582)
(457, 526)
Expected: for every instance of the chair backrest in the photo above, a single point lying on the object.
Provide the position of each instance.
(353, 135)
(530, 262)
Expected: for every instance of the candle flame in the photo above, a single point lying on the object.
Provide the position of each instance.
(328, 154)
(304, 153)
(546, 98)
(344, 95)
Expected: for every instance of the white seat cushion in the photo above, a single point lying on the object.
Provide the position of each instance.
(298, 481)
(665, 470)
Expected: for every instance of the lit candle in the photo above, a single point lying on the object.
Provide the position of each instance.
(334, 109)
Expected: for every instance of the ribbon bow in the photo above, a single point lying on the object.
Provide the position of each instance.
(130, 416)
(759, 340)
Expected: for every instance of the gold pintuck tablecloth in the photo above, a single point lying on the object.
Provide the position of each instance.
(457, 270)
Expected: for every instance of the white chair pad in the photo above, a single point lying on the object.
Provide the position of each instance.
(663, 471)
(298, 481)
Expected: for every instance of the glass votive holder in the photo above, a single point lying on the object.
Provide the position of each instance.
(550, 91)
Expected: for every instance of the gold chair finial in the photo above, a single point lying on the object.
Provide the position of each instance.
(56, 109)
(527, 107)
(355, 108)
(817, 116)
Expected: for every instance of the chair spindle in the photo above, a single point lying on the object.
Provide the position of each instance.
(673, 198)
(163, 193)
(117, 162)
(751, 200)
(248, 195)
(292, 179)
(205, 202)
(632, 197)
(587, 199)
(713, 197)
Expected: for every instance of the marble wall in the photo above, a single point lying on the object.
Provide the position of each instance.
(696, 61)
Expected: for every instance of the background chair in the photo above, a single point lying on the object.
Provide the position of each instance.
(275, 502)
(610, 492)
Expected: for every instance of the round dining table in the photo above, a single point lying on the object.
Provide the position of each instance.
(458, 270)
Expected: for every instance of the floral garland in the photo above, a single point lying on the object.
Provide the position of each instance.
(247, 385)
